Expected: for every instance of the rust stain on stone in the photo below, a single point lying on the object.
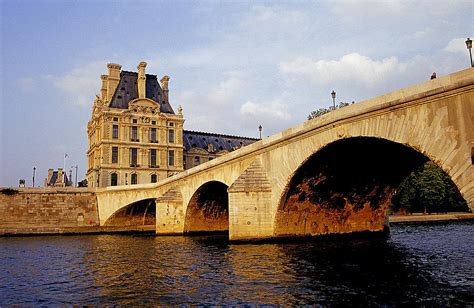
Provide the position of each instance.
(309, 212)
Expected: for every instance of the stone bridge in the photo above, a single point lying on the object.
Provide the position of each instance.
(333, 174)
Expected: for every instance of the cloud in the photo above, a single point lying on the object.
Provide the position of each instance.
(276, 110)
(351, 67)
(457, 45)
(226, 90)
(79, 85)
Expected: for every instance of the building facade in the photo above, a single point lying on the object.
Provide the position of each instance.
(135, 136)
(57, 179)
(200, 147)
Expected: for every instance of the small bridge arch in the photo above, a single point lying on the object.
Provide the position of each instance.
(208, 209)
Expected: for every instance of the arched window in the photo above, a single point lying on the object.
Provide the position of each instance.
(113, 179)
(134, 178)
(154, 178)
(197, 160)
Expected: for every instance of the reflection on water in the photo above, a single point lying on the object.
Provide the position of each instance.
(424, 264)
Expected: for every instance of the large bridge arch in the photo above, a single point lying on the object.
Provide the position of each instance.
(346, 186)
(440, 129)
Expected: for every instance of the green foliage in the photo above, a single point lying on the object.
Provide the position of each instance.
(321, 111)
(8, 191)
(428, 189)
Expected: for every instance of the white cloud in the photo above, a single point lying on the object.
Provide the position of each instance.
(276, 110)
(457, 45)
(351, 67)
(226, 90)
(81, 83)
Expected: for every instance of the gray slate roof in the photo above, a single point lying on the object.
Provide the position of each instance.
(219, 141)
(127, 90)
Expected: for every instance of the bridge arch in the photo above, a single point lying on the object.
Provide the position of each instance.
(346, 186)
(138, 213)
(208, 209)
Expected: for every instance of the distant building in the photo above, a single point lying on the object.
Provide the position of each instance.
(135, 137)
(57, 179)
(200, 147)
(134, 134)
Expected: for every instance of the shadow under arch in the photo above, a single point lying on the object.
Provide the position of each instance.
(345, 187)
(208, 209)
(139, 213)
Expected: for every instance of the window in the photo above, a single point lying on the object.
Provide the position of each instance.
(197, 160)
(171, 124)
(171, 157)
(134, 133)
(115, 131)
(115, 119)
(171, 136)
(153, 135)
(114, 155)
(152, 157)
(154, 178)
(153, 122)
(113, 179)
(134, 178)
(133, 157)
(134, 120)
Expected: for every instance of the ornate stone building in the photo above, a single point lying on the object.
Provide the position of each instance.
(135, 137)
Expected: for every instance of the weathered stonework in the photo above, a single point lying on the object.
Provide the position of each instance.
(169, 213)
(35, 209)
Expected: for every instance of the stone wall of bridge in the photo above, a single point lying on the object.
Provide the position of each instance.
(46, 210)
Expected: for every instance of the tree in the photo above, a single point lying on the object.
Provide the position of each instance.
(429, 189)
(321, 111)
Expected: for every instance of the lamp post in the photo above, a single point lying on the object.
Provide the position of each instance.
(260, 131)
(469, 46)
(333, 95)
(76, 175)
(34, 171)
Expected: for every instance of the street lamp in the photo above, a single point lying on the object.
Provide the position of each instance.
(469, 46)
(260, 130)
(34, 171)
(333, 95)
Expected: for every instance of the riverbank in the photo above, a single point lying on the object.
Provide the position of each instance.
(427, 218)
(41, 230)
(5, 230)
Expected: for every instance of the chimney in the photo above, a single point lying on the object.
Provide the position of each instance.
(164, 86)
(103, 89)
(141, 82)
(113, 79)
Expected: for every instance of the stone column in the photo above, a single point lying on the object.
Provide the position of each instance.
(250, 210)
(170, 213)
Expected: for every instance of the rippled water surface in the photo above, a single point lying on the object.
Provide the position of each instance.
(420, 264)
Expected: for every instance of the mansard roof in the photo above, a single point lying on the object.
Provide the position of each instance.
(127, 90)
(220, 142)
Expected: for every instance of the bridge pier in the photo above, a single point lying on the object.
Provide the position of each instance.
(250, 205)
(169, 213)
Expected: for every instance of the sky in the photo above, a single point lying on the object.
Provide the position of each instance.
(234, 65)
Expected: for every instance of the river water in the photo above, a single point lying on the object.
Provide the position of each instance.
(416, 264)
